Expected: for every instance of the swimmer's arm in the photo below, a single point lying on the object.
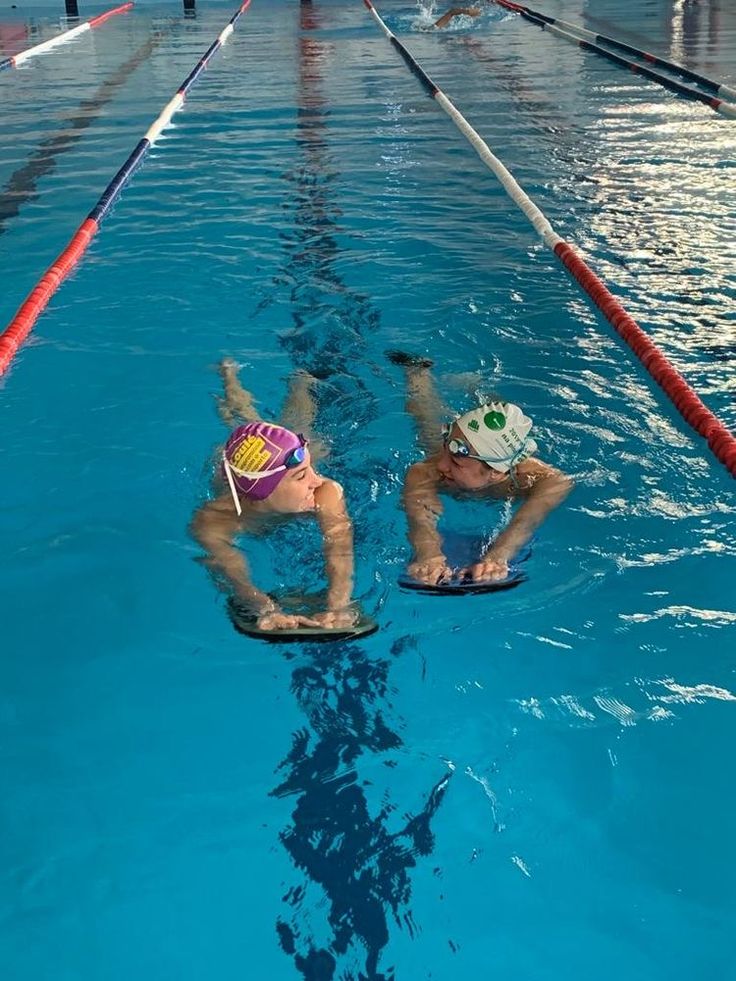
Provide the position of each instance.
(337, 531)
(543, 488)
(215, 532)
(456, 12)
(423, 509)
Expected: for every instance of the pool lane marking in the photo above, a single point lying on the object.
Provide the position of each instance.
(578, 35)
(30, 310)
(21, 186)
(686, 401)
(69, 35)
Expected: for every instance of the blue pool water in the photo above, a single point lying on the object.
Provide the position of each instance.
(532, 784)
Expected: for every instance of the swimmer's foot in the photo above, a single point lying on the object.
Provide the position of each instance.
(237, 405)
(405, 360)
(305, 376)
(228, 369)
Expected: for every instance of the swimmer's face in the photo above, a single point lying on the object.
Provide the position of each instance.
(462, 471)
(294, 493)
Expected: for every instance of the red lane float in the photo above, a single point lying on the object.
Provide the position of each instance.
(688, 404)
(101, 18)
(63, 38)
(22, 323)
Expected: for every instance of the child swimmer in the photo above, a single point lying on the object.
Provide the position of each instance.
(484, 454)
(266, 476)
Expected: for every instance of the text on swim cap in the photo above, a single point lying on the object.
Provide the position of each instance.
(251, 455)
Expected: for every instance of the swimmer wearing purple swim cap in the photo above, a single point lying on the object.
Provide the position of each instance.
(256, 459)
(486, 453)
(265, 475)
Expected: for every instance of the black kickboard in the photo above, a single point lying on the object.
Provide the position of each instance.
(314, 635)
(459, 587)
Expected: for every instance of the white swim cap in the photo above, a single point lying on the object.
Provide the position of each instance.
(499, 431)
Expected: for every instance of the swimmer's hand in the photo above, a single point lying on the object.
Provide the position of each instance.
(432, 571)
(335, 619)
(487, 569)
(277, 620)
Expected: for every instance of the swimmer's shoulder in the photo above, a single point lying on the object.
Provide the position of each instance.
(329, 495)
(331, 512)
(533, 471)
(212, 522)
(422, 472)
(220, 514)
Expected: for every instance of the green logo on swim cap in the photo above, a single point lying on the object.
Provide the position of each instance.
(473, 424)
(494, 420)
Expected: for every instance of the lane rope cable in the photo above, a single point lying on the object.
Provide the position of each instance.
(30, 310)
(69, 35)
(686, 401)
(579, 35)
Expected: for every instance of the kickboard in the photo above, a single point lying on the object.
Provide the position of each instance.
(314, 635)
(458, 587)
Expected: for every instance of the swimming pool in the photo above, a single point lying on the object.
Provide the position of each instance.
(532, 784)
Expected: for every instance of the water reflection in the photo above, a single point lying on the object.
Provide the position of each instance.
(329, 319)
(347, 855)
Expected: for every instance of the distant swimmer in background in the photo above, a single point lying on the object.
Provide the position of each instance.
(266, 476)
(483, 454)
(453, 12)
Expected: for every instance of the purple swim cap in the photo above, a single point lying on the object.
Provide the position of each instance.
(256, 447)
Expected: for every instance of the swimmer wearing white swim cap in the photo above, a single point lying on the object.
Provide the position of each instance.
(486, 453)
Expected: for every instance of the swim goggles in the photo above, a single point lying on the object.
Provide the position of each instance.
(295, 458)
(458, 447)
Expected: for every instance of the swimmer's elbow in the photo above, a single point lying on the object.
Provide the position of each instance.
(566, 483)
(206, 533)
(198, 528)
(559, 485)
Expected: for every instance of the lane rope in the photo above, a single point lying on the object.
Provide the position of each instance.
(717, 88)
(54, 42)
(579, 35)
(22, 185)
(30, 310)
(686, 401)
